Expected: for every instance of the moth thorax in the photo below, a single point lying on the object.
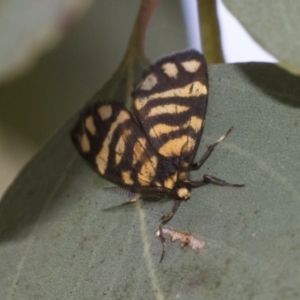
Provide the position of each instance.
(183, 193)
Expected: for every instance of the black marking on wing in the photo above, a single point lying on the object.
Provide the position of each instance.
(173, 105)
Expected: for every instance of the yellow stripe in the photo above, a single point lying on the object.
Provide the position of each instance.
(193, 89)
(85, 143)
(176, 146)
(90, 125)
(160, 129)
(194, 122)
(167, 109)
(126, 176)
(149, 82)
(170, 69)
(191, 65)
(120, 147)
(105, 112)
(147, 172)
(102, 156)
(169, 183)
(138, 150)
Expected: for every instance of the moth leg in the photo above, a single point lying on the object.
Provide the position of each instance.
(209, 150)
(163, 220)
(207, 179)
(216, 180)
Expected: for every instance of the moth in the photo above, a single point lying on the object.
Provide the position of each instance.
(151, 150)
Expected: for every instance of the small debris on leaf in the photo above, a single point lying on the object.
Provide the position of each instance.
(186, 239)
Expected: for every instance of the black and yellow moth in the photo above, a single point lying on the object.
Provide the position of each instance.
(152, 149)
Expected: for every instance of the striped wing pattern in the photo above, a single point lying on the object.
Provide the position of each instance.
(171, 100)
(155, 144)
(113, 142)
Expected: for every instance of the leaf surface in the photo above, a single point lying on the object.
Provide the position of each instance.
(63, 236)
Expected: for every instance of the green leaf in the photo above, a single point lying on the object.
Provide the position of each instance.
(62, 236)
(275, 25)
(29, 28)
(118, 88)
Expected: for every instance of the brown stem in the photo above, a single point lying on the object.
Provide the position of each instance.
(137, 38)
(210, 31)
(119, 87)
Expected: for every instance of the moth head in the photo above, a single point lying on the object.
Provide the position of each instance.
(183, 193)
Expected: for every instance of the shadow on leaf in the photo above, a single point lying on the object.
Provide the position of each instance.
(274, 81)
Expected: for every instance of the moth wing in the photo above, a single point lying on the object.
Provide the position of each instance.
(171, 101)
(109, 138)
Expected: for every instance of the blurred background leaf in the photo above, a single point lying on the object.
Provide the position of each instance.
(36, 104)
(275, 25)
(28, 28)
